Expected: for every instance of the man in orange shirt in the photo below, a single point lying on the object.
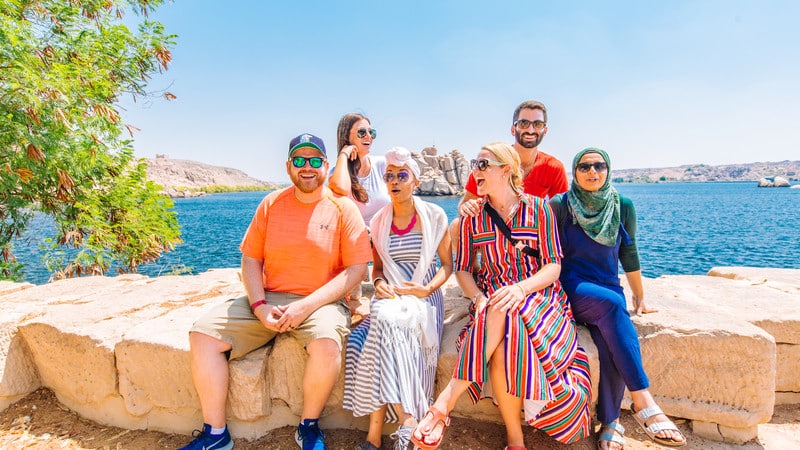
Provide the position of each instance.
(303, 251)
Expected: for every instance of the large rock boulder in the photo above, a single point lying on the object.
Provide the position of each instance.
(115, 350)
(441, 174)
(781, 182)
(720, 348)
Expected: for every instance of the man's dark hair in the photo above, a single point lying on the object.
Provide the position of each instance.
(530, 104)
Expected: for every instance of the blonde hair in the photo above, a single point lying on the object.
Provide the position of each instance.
(509, 157)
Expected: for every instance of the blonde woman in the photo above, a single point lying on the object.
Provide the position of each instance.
(520, 345)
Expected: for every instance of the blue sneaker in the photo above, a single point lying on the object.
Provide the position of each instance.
(204, 440)
(309, 436)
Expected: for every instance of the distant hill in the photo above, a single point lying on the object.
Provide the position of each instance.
(702, 172)
(181, 176)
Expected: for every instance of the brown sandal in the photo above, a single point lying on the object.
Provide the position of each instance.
(437, 417)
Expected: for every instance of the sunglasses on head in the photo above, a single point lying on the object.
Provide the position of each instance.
(483, 164)
(300, 161)
(598, 167)
(523, 124)
(362, 132)
(402, 176)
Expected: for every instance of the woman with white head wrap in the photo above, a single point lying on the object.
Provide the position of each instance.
(392, 355)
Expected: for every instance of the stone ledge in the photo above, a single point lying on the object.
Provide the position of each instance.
(115, 350)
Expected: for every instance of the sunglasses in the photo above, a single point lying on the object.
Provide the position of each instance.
(598, 167)
(362, 132)
(300, 162)
(523, 124)
(402, 176)
(482, 164)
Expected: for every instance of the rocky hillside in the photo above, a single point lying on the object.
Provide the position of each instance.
(701, 172)
(179, 177)
(441, 175)
(447, 174)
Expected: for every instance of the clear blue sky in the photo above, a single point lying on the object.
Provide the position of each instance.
(655, 83)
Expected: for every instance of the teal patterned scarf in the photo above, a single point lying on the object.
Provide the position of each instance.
(596, 212)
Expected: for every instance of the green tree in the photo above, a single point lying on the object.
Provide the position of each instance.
(64, 150)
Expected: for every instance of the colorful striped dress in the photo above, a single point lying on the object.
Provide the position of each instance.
(386, 364)
(544, 363)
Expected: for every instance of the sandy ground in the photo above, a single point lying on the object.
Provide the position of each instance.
(39, 422)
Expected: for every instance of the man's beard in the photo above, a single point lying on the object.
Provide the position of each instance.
(532, 144)
(307, 186)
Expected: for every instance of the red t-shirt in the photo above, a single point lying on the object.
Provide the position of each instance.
(546, 179)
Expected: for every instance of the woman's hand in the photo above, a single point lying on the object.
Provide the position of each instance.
(410, 288)
(481, 302)
(470, 208)
(508, 297)
(383, 289)
(350, 151)
(640, 308)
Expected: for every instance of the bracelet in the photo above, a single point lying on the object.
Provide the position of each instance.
(375, 282)
(257, 304)
(524, 294)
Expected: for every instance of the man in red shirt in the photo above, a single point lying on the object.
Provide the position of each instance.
(543, 175)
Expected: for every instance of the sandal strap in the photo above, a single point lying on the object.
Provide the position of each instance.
(612, 437)
(439, 416)
(646, 413)
(615, 426)
(656, 427)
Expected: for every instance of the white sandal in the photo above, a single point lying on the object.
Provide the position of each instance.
(646, 414)
(611, 432)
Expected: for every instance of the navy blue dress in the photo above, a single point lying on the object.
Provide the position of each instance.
(590, 277)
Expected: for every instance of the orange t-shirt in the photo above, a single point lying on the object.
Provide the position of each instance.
(304, 246)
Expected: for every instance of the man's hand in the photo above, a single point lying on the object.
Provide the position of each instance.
(270, 317)
(470, 208)
(292, 315)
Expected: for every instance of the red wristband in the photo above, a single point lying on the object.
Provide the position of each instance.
(257, 304)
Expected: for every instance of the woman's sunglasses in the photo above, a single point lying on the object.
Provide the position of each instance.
(598, 167)
(402, 176)
(362, 132)
(483, 164)
(300, 162)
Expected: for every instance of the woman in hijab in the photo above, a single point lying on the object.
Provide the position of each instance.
(392, 355)
(597, 228)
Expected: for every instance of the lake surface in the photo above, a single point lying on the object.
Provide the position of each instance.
(684, 228)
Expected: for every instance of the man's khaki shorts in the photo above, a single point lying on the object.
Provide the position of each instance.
(234, 323)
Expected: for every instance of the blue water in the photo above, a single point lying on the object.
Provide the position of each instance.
(684, 228)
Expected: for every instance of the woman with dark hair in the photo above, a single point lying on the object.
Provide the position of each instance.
(597, 227)
(520, 344)
(357, 174)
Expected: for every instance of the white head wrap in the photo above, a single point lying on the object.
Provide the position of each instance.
(399, 156)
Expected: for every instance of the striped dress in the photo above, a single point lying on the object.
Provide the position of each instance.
(543, 360)
(386, 364)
